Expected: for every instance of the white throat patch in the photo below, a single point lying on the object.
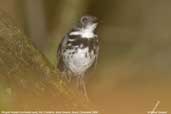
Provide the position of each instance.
(87, 32)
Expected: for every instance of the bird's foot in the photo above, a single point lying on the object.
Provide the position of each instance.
(65, 77)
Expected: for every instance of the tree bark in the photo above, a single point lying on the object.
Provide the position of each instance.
(27, 80)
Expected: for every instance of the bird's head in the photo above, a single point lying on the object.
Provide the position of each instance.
(87, 21)
(86, 27)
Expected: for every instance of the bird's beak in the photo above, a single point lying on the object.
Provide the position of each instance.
(98, 21)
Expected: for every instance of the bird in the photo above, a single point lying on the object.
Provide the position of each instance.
(78, 51)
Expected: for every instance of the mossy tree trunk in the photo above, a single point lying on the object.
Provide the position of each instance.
(27, 79)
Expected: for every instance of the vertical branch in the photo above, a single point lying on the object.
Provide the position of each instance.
(35, 17)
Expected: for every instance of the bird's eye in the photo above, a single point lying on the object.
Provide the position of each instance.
(84, 19)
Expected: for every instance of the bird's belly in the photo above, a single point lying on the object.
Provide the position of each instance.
(80, 61)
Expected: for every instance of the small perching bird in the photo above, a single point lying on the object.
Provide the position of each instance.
(78, 51)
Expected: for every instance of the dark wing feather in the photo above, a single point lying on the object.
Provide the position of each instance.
(96, 51)
(97, 56)
(60, 62)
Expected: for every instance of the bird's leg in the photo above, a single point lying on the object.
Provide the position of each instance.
(78, 83)
(66, 76)
(63, 75)
(82, 86)
(84, 89)
(69, 76)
